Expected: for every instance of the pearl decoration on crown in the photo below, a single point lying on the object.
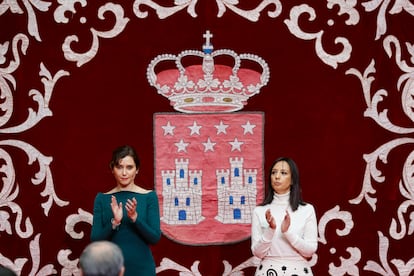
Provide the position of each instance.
(206, 86)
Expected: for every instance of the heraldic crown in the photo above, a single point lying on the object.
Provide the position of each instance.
(206, 87)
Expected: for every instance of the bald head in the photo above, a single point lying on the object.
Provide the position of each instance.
(102, 258)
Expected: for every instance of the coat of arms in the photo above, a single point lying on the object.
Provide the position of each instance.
(208, 157)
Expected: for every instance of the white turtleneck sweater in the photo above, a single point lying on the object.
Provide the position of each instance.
(298, 243)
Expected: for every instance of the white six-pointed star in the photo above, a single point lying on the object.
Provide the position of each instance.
(221, 128)
(236, 145)
(209, 145)
(181, 146)
(248, 128)
(168, 129)
(195, 129)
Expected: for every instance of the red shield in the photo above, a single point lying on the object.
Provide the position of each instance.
(208, 175)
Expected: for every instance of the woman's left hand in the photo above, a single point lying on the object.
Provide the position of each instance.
(286, 222)
(131, 207)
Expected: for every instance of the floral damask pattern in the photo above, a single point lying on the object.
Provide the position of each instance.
(299, 19)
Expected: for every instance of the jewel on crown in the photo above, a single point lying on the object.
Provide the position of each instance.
(208, 87)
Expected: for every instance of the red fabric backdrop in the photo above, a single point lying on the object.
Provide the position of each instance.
(339, 102)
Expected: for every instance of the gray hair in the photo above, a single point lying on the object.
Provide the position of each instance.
(101, 258)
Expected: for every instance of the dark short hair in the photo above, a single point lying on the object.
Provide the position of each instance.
(295, 197)
(121, 152)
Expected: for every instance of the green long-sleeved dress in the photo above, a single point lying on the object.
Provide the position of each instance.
(134, 239)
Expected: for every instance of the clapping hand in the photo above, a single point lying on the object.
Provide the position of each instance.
(270, 219)
(131, 207)
(116, 210)
(286, 222)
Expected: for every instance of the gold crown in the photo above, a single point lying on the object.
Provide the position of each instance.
(206, 86)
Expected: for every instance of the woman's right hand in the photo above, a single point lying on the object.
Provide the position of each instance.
(270, 219)
(116, 210)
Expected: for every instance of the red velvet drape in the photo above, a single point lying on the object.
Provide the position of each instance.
(339, 102)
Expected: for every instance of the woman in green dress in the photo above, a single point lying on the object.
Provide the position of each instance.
(128, 215)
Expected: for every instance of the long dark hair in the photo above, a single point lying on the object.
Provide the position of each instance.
(295, 197)
(121, 152)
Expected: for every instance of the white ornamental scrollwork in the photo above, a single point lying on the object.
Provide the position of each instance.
(18, 264)
(164, 12)
(366, 79)
(168, 264)
(403, 225)
(69, 267)
(330, 59)
(8, 194)
(6, 76)
(66, 6)
(43, 175)
(6, 89)
(72, 220)
(400, 227)
(382, 6)
(32, 25)
(11, 212)
(119, 26)
(238, 270)
(404, 269)
(407, 190)
(371, 170)
(347, 266)
(407, 78)
(252, 15)
(335, 214)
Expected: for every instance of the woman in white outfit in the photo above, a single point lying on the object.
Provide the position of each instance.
(284, 227)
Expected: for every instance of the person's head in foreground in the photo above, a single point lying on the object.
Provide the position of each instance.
(102, 258)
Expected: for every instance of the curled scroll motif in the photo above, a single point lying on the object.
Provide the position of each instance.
(329, 59)
(382, 6)
(407, 190)
(8, 85)
(384, 267)
(43, 175)
(69, 267)
(238, 270)
(32, 25)
(335, 214)
(72, 220)
(41, 99)
(252, 15)
(371, 170)
(381, 117)
(119, 26)
(8, 194)
(18, 264)
(7, 80)
(406, 80)
(167, 264)
(64, 7)
(346, 7)
(348, 266)
(164, 12)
